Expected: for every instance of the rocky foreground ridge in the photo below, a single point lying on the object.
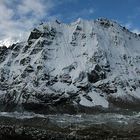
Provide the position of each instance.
(70, 68)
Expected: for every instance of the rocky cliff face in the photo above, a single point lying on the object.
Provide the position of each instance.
(84, 64)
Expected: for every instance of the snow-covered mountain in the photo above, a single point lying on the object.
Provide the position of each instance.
(84, 64)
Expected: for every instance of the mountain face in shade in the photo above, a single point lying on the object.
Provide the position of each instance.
(64, 67)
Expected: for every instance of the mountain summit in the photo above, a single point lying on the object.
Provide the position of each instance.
(68, 67)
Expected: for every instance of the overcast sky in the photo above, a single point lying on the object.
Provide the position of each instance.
(18, 17)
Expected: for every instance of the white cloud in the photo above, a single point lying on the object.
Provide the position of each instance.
(132, 28)
(18, 17)
(137, 31)
(84, 13)
(7, 13)
(128, 25)
(35, 7)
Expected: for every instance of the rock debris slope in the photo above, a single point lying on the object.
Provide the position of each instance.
(83, 64)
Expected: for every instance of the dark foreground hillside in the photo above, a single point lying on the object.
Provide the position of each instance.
(70, 128)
